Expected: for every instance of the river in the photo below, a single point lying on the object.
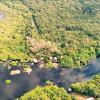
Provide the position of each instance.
(63, 77)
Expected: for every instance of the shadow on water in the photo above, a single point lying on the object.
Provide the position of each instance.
(61, 76)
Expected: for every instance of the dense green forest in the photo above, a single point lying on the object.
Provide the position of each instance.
(13, 29)
(66, 29)
(72, 25)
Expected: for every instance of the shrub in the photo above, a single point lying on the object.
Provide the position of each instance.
(47, 93)
(8, 82)
(66, 61)
(14, 63)
(49, 64)
(91, 87)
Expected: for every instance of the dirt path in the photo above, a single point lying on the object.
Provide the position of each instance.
(81, 97)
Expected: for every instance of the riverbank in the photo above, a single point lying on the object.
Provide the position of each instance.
(24, 82)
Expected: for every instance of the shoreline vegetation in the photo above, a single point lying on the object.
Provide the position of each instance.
(48, 92)
(83, 91)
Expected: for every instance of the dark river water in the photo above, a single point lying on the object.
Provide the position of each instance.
(61, 76)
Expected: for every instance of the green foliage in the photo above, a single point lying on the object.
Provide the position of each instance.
(98, 52)
(66, 61)
(48, 92)
(49, 82)
(8, 82)
(72, 25)
(14, 63)
(91, 87)
(46, 59)
(49, 64)
(13, 29)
